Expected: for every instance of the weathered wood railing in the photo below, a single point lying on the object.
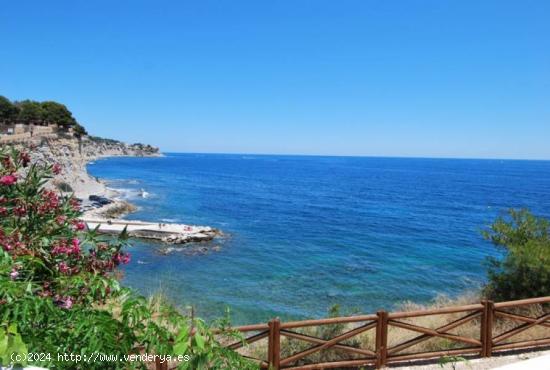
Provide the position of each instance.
(484, 343)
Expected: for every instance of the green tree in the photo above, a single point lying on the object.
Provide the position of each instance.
(57, 113)
(524, 270)
(79, 130)
(8, 111)
(30, 112)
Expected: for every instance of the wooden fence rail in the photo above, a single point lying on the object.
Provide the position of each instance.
(387, 351)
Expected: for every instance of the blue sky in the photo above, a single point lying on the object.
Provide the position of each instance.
(368, 77)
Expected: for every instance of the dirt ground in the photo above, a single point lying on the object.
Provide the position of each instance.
(483, 363)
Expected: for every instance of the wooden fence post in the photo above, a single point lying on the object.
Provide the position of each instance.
(270, 343)
(274, 344)
(160, 365)
(487, 327)
(381, 339)
(483, 329)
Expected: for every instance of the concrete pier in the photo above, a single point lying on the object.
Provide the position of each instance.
(165, 232)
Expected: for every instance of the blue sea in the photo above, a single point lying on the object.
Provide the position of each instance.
(304, 233)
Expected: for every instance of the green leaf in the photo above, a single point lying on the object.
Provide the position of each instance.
(12, 329)
(183, 334)
(181, 348)
(3, 342)
(199, 340)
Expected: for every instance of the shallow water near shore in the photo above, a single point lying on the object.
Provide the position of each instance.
(307, 232)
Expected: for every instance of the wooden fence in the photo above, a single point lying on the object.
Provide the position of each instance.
(385, 350)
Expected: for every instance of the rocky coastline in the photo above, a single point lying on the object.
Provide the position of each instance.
(73, 154)
(102, 206)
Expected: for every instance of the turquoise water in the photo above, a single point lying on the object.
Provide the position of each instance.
(304, 233)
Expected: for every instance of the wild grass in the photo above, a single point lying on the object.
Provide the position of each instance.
(396, 335)
(159, 301)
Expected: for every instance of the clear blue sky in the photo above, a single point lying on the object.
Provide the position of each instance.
(446, 78)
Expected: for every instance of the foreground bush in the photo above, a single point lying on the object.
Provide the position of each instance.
(57, 287)
(524, 270)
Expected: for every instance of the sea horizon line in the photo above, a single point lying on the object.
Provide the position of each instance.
(360, 156)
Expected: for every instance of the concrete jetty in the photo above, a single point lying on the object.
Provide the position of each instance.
(165, 232)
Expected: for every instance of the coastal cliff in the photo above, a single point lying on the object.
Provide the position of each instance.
(72, 154)
(51, 135)
(102, 206)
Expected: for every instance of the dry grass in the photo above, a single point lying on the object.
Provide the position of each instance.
(366, 340)
(397, 335)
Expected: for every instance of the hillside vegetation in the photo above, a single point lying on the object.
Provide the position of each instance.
(38, 113)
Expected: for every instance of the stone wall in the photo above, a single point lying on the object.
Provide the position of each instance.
(20, 132)
(13, 138)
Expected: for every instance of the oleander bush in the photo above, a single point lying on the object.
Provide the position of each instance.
(59, 293)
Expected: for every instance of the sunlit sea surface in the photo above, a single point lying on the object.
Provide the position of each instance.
(304, 233)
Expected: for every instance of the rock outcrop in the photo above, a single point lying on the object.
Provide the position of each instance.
(72, 154)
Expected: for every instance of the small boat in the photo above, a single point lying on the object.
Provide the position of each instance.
(143, 193)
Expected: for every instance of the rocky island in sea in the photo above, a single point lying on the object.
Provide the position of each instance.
(49, 132)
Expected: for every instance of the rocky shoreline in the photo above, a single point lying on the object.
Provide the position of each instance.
(102, 207)
(73, 154)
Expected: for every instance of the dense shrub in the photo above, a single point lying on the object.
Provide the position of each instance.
(8, 110)
(59, 293)
(524, 270)
(38, 113)
(58, 113)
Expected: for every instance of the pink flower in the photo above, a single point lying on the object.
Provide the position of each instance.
(8, 180)
(60, 219)
(65, 303)
(63, 268)
(68, 303)
(59, 249)
(14, 274)
(80, 226)
(126, 259)
(25, 158)
(20, 211)
(56, 169)
(123, 258)
(76, 246)
(75, 204)
(50, 202)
